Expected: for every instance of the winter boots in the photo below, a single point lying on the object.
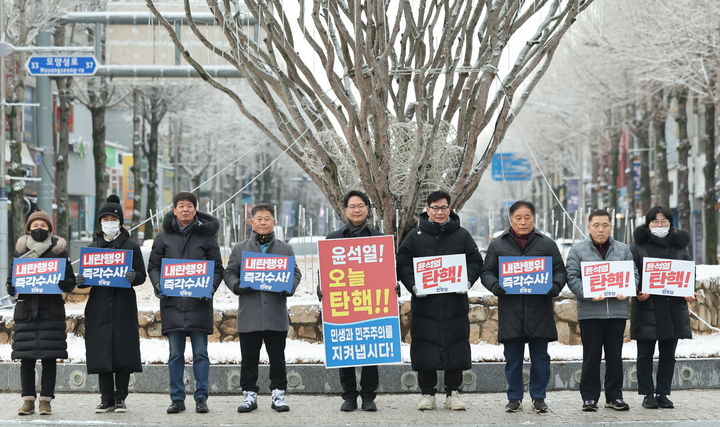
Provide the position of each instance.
(249, 402)
(28, 406)
(278, 401)
(44, 406)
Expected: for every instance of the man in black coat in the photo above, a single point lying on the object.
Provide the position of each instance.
(439, 324)
(524, 318)
(187, 234)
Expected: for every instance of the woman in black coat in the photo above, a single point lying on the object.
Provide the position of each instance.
(658, 318)
(112, 342)
(39, 319)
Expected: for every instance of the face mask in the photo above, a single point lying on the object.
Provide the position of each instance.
(110, 228)
(39, 234)
(660, 231)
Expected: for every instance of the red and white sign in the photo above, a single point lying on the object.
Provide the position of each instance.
(440, 274)
(669, 277)
(608, 279)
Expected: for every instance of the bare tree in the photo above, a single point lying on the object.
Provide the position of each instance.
(137, 159)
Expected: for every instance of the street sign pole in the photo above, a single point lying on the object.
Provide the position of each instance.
(45, 134)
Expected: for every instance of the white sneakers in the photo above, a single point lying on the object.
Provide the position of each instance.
(427, 402)
(452, 402)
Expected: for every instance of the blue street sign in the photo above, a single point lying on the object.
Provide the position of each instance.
(511, 167)
(61, 65)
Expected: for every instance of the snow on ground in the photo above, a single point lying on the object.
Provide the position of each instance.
(705, 272)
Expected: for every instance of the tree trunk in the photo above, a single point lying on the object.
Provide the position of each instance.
(683, 154)
(62, 220)
(613, 139)
(16, 195)
(710, 199)
(152, 158)
(102, 179)
(661, 171)
(137, 159)
(642, 134)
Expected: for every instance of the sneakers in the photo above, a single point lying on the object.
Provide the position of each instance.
(201, 405)
(28, 406)
(427, 402)
(589, 406)
(539, 406)
(453, 402)
(663, 401)
(649, 402)
(278, 401)
(349, 405)
(618, 405)
(513, 406)
(176, 407)
(249, 402)
(120, 407)
(105, 406)
(368, 405)
(44, 407)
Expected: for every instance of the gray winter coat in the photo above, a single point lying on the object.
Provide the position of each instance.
(259, 310)
(585, 251)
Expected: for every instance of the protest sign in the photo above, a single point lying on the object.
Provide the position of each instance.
(105, 267)
(669, 277)
(608, 278)
(440, 274)
(187, 278)
(360, 309)
(38, 275)
(525, 275)
(267, 272)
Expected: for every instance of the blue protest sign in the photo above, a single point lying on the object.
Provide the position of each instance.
(511, 167)
(187, 278)
(105, 267)
(38, 275)
(525, 275)
(267, 272)
(61, 65)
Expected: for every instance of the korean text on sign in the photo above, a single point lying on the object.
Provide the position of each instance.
(440, 274)
(267, 272)
(187, 278)
(669, 277)
(360, 309)
(105, 267)
(608, 278)
(38, 275)
(525, 275)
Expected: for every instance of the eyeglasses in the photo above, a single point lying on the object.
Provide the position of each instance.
(660, 222)
(356, 207)
(439, 208)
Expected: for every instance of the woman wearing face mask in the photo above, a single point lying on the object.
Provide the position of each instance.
(112, 343)
(39, 329)
(657, 318)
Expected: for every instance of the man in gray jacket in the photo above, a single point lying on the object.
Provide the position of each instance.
(262, 315)
(602, 320)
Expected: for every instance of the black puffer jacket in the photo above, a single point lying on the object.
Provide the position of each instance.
(439, 324)
(198, 241)
(39, 329)
(659, 317)
(112, 342)
(524, 316)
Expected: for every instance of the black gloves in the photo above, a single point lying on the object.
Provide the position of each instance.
(66, 286)
(554, 291)
(130, 276)
(241, 291)
(80, 281)
(319, 293)
(497, 290)
(10, 288)
(397, 289)
(156, 289)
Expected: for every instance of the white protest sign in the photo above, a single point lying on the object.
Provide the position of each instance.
(440, 274)
(608, 278)
(669, 277)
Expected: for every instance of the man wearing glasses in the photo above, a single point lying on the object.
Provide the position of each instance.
(602, 320)
(439, 325)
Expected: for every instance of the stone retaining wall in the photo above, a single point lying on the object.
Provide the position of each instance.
(305, 320)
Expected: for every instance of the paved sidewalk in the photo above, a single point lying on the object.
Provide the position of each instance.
(693, 407)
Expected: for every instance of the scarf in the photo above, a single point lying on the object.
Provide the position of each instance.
(357, 230)
(36, 249)
(264, 239)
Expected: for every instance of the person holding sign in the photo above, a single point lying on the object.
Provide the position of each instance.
(534, 264)
(262, 313)
(602, 317)
(357, 208)
(39, 318)
(192, 235)
(439, 324)
(658, 319)
(112, 342)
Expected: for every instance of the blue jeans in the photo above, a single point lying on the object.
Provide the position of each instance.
(539, 367)
(176, 364)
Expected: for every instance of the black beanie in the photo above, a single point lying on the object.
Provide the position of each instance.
(184, 195)
(111, 207)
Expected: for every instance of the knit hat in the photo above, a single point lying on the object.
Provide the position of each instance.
(41, 215)
(184, 195)
(111, 207)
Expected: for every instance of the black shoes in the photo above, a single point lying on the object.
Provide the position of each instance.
(663, 401)
(105, 406)
(201, 406)
(589, 406)
(513, 406)
(120, 406)
(649, 402)
(349, 405)
(176, 407)
(539, 406)
(368, 405)
(618, 405)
